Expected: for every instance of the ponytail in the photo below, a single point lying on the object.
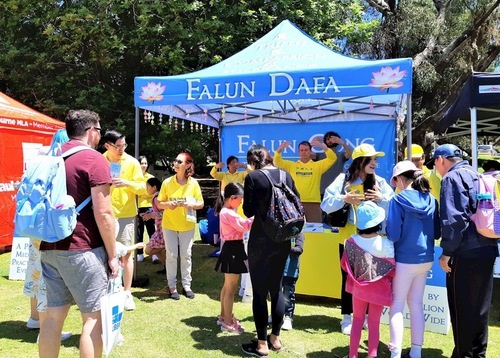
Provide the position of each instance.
(219, 204)
(420, 182)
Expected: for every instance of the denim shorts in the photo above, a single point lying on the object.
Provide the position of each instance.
(79, 277)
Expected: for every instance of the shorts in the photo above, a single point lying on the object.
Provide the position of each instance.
(79, 277)
(126, 231)
(34, 284)
(232, 258)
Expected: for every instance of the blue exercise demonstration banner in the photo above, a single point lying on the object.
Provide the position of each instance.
(236, 139)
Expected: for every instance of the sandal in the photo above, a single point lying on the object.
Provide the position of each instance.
(232, 328)
(273, 348)
(251, 349)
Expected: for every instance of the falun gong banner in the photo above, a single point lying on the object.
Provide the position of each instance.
(435, 303)
(236, 139)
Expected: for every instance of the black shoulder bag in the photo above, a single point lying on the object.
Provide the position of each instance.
(339, 218)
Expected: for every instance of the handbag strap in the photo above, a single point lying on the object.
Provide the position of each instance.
(342, 191)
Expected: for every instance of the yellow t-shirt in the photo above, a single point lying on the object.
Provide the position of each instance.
(123, 199)
(144, 201)
(170, 189)
(226, 177)
(307, 176)
(434, 182)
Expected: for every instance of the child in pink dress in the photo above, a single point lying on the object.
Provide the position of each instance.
(369, 262)
(156, 244)
(232, 259)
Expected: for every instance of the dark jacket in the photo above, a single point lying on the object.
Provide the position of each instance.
(292, 262)
(460, 238)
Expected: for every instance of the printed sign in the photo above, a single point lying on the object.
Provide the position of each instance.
(19, 258)
(236, 139)
(115, 169)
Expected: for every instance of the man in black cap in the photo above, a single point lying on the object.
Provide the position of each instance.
(468, 257)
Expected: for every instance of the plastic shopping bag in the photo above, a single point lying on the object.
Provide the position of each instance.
(111, 315)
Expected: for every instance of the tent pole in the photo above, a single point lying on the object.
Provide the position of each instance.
(473, 134)
(409, 139)
(136, 140)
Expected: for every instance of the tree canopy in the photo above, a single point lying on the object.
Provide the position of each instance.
(61, 55)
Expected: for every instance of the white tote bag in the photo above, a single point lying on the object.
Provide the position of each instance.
(111, 316)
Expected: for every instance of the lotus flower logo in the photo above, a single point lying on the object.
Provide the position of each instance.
(152, 92)
(388, 78)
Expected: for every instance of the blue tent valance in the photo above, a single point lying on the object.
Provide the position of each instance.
(286, 76)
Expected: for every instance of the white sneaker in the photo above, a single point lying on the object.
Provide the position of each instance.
(287, 324)
(247, 299)
(140, 258)
(120, 339)
(155, 259)
(64, 336)
(345, 327)
(33, 324)
(129, 304)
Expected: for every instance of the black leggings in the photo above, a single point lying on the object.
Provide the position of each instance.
(150, 227)
(266, 261)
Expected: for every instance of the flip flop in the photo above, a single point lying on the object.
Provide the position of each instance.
(251, 349)
(273, 348)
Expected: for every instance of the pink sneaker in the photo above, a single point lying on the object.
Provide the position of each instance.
(232, 328)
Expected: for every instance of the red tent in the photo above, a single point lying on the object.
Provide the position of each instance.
(23, 131)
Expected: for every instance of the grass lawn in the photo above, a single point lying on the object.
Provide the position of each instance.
(160, 327)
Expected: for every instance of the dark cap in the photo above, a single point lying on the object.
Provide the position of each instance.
(448, 151)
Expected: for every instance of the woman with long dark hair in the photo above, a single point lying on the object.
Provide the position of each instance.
(412, 224)
(358, 184)
(266, 258)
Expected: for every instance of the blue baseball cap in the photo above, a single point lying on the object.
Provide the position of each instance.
(369, 215)
(448, 151)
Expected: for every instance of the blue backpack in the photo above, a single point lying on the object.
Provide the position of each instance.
(44, 210)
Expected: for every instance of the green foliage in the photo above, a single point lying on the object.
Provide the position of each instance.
(59, 55)
(161, 141)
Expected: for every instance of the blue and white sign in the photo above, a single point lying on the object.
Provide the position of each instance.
(236, 139)
(284, 76)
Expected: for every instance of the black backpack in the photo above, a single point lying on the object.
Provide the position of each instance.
(285, 216)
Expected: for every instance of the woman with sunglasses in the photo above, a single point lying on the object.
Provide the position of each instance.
(180, 195)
